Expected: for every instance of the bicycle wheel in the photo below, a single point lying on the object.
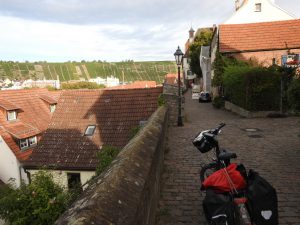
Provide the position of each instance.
(241, 215)
(207, 170)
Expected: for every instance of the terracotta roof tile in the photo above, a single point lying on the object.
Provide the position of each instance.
(259, 36)
(113, 112)
(32, 119)
(7, 105)
(21, 130)
(48, 99)
(136, 84)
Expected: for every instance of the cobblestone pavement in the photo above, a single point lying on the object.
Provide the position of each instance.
(273, 151)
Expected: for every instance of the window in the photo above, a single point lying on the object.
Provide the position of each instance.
(74, 181)
(52, 107)
(28, 142)
(24, 143)
(257, 7)
(11, 115)
(32, 141)
(90, 130)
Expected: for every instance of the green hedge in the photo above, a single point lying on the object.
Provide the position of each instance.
(293, 95)
(252, 88)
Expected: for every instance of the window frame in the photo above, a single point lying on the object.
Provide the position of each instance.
(8, 112)
(27, 143)
(258, 7)
(90, 127)
(35, 141)
(52, 107)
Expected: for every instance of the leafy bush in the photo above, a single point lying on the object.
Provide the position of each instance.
(81, 85)
(252, 88)
(221, 63)
(161, 100)
(133, 131)
(40, 202)
(218, 102)
(293, 95)
(106, 155)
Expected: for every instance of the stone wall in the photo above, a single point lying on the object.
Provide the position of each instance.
(128, 192)
(248, 114)
(171, 95)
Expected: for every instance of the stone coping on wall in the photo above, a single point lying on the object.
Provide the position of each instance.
(248, 114)
(128, 191)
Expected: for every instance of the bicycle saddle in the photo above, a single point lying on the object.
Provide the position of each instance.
(226, 155)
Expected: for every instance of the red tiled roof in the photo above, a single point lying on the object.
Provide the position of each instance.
(259, 36)
(171, 78)
(136, 84)
(32, 119)
(21, 130)
(7, 105)
(48, 99)
(114, 113)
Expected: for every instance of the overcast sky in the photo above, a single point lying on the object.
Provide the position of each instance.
(111, 30)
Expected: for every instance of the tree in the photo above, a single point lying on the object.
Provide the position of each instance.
(106, 155)
(203, 39)
(82, 85)
(40, 202)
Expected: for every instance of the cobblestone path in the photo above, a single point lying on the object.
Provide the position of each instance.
(273, 151)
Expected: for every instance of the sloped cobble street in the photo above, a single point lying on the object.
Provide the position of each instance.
(273, 151)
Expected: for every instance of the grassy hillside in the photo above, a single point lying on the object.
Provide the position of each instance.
(129, 71)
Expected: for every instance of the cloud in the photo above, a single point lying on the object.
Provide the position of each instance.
(114, 30)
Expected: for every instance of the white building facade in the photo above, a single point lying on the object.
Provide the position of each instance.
(10, 168)
(255, 11)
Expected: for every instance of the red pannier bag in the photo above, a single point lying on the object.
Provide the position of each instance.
(219, 180)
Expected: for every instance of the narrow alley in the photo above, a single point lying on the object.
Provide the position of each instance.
(273, 150)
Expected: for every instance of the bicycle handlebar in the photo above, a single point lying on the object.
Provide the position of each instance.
(215, 131)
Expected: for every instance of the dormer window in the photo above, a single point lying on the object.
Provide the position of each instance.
(257, 7)
(90, 130)
(52, 108)
(11, 115)
(24, 143)
(28, 142)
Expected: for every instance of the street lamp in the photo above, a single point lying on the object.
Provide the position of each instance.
(178, 57)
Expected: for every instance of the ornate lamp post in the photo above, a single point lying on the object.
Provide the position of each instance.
(178, 57)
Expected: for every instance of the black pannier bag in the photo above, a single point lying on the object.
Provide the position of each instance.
(218, 208)
(262, 200)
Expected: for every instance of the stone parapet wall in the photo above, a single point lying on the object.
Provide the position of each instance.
(248, 114)
(170, 93)
(128, 192)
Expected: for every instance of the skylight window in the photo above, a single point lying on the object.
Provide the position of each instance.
(11, 115)
(90, 130)
(257, 7)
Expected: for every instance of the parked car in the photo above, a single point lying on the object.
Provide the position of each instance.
(204, 97)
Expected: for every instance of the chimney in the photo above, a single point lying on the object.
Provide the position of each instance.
(237, 5)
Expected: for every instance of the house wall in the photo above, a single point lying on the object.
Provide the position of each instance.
(60, 176)
(264, 57)
(269, 12)
(9, 165)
